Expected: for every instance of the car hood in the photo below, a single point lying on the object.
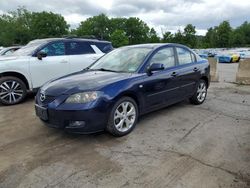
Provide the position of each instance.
(12, 58)
(7, 58)
(82, 81)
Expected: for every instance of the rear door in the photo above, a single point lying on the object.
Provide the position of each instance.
(189, 71)
(81, 54)
(56, 64)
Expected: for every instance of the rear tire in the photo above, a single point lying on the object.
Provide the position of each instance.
(12, 90)
(123, 117)
(200, 94)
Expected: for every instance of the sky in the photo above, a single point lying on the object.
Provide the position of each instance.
(163, 15)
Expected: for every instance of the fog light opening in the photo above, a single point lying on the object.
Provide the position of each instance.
(76, 124)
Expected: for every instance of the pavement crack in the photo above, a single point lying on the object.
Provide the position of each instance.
(238, 176)
(198, 124)
(189, 132)
(65, 179)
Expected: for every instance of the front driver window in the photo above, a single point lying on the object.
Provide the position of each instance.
(164, 56)
(54, 49)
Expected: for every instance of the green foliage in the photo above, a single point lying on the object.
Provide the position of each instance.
(21, 26)
(119, 38)
(223, 32)
(136, 30)
(48, 24)
(189, 38)
(167, 37)
(153, 37)
(97, 26)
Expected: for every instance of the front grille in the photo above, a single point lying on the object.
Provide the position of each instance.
(48, 99)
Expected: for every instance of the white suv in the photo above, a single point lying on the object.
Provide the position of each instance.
(41, 60)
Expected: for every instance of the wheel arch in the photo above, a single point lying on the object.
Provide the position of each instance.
(17, 75)
(131, 95)
(206, 80)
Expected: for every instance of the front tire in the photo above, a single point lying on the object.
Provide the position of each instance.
(200, 94)
(123, 117)
(12, 90)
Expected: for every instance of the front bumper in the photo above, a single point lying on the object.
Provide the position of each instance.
(92, 117)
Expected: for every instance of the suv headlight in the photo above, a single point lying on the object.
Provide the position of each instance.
(84, 97)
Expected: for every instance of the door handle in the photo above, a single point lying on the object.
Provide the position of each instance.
(195, 69)
(174, 74)
(63, 61)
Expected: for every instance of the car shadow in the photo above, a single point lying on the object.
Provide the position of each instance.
(30, 97)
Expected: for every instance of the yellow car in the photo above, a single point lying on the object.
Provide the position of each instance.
(228, 58)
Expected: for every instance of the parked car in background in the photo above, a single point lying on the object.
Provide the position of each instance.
(41, 60)
(228, 57)
(9, 50)
(204, 56)
(120, 86)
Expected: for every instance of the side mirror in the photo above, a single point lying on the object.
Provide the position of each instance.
(40, 55)
(155, 67)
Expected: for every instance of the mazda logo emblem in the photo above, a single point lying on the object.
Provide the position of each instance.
(42, 97)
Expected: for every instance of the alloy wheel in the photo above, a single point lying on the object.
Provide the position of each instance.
(11, 91)
(201, 92)
(124, 116)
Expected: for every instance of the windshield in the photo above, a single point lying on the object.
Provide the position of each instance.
(29, 48)
(122, 60)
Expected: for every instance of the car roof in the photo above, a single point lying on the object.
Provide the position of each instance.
(70, 39)
(154, 45)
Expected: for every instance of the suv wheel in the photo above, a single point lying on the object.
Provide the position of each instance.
(200, 93)
(123, 117)
(12, 90)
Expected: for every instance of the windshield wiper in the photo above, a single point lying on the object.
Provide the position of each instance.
(103, 69)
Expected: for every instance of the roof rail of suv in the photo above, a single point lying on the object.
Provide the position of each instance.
(81, 37)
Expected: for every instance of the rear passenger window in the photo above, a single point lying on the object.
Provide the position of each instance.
(164, 56)
(104, 47)
(77, 48)
(184, 56)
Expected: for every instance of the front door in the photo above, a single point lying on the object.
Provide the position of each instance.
(54, 65)
(161, 88)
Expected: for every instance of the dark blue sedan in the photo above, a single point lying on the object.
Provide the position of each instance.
(119, 87)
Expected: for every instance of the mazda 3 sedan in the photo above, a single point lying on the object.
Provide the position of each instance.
(122, 85)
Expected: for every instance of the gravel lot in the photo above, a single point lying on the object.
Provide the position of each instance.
(179, 146)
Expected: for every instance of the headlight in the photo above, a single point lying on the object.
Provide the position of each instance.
(84, 97)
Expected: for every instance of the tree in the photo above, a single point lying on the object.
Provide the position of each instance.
(209, 40)
(119, 38)
(178, 37)
(153, 37)
(48, 24)
(95, 26)
(167, 37)
(136, 31)
(117, 24)
(223, 32)
(15, 27)
(189, 38)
